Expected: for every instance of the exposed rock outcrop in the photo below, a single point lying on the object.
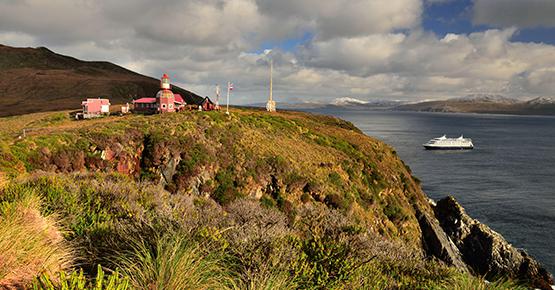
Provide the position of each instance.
(485, 251)
(436, 243)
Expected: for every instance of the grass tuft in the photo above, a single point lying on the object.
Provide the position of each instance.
(30, 244)
(174, 262)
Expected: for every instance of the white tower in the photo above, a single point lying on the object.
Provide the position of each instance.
(271, 105)
(217, 97)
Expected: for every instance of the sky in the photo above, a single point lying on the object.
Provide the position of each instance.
(322, 50)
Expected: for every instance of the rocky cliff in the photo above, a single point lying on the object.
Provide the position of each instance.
(485, 251)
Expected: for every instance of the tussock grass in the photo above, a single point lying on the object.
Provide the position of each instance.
(174, 262)
(30, 244)
(464, 282)
(273, 280)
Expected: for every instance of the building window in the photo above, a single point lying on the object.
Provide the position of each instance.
(163, 106)
(171, 106)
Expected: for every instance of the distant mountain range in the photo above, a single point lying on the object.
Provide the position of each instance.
(485, 103)
(344, 102)
(37, 79)
(475, 103)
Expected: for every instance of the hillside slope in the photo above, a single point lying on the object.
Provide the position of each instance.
(308, 200)
(39, 80)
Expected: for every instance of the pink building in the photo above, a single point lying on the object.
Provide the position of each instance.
(93, 108)
(164, 102)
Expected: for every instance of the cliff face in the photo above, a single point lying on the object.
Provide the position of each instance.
(284, 160)
(485, 251)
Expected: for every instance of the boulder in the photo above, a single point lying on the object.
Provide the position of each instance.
(485, 251)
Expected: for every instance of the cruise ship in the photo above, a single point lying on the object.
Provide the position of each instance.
(444, 143)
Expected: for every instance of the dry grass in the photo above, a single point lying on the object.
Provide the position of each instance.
(30, 244)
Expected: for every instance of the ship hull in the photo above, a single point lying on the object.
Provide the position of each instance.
(448, 148)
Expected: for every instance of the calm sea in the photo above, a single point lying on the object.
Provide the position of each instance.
(507, 182)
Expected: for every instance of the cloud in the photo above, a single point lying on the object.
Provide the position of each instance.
(359, 48)
(345, 18)
(507, 13)
(453, 65)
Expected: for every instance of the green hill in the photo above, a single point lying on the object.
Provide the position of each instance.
(205, 200)
(39, 80)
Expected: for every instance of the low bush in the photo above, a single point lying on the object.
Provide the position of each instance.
(226, 191)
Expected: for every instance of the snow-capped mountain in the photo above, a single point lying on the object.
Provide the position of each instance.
(348, 101)
(542, 101)
(485, 98)
(486, 103)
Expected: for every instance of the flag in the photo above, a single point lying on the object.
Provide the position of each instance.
(230, 86)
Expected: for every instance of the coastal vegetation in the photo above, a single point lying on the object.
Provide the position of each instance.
(201, 200)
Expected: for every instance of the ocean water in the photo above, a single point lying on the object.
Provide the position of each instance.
(507, 181)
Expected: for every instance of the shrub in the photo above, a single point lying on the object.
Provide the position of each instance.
(335, 179)
(226, 191)
(394, 211)
(336, 201)
(257, 239)
(328, 248)
(305, 197)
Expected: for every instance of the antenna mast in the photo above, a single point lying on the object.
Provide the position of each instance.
(271, 105)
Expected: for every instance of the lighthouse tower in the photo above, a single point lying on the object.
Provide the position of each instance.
(165, 98)
(271, 104)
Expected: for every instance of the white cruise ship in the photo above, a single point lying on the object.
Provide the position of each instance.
(444, 143)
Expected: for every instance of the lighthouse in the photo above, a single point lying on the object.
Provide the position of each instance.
(271, 104)
(165, 98)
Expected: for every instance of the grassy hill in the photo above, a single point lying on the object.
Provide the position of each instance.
(39, 80)
(202, 200)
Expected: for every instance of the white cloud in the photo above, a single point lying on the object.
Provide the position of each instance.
(361, 48)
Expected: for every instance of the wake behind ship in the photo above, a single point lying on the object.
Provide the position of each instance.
(444, 143)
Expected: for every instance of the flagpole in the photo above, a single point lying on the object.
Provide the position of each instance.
(271, 79)
(218, 97)
(227, 106)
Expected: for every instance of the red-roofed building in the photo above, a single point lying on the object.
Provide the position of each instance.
(179, 102)
(164, 102)
(208, 105)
